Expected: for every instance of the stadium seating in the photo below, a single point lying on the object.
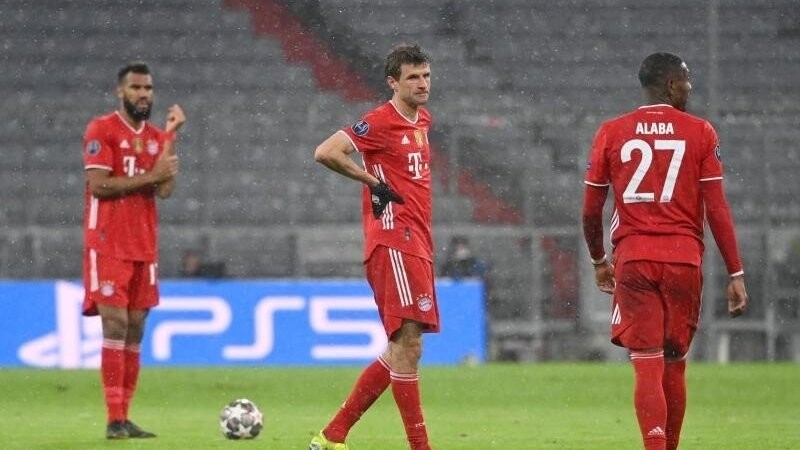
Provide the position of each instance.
(519, 88)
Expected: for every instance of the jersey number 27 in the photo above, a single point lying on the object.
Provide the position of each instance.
(631, 194)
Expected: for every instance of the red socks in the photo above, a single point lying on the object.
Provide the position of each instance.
(405, 388)
(112, 371)
(675, 393)
(370, 385)
(648, 398)
(132, 363)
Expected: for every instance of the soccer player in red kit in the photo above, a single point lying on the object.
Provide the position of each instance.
(128, 162)
(393, 142)
(665, 171)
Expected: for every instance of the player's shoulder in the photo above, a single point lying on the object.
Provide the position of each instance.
(693, 119)
(381, 112)
(617, 121)
(103, 120)
(376, 118)
(424, 114)
(101, 125)
(149, 127)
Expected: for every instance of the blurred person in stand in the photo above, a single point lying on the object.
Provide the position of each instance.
(193, 265)
(461, 262)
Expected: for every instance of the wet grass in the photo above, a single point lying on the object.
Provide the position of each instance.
(544, 406)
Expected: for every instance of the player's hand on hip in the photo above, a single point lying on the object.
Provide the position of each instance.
(604, 277)
(381, 195)
(737, 296)
(166, 167)
(175, 118)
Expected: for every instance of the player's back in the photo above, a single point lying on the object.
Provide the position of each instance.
(655, 159)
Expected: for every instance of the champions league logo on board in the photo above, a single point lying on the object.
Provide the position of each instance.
(77, 340)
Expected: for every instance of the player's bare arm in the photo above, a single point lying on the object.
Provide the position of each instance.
(334, 153)
(604, 277)
(103, 185)
(165, 188)
(594, 200)
(175, 119)
(720, 222)
(737, 296)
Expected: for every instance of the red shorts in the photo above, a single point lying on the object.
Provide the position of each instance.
(115, 282)
(403, 288)
(656, 305)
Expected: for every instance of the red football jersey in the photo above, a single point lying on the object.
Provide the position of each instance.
(124, 227)
(396, 150)
(655, 158)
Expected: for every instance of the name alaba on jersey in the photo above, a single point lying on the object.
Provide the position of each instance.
(396, 150)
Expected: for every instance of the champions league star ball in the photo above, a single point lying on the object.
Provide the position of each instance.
(241, 419)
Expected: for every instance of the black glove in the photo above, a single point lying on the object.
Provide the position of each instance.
(382, 194)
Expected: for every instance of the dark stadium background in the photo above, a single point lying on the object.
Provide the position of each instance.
(519, 88)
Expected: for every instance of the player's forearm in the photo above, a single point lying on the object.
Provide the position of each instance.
(721, 224)
(593, 220)
(110, 187)
(720, 221)
(165, 188)
(342, 164)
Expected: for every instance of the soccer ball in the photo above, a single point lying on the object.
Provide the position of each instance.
(241, 419)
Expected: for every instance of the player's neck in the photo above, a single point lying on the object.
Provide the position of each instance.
(408, 111)
(129, 120)
(653, 98)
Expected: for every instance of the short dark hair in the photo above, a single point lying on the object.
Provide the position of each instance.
(404, 54)
(132, 67)
(657, 68)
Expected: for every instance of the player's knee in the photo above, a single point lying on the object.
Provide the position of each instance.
(413, 349)
(115, 328)
(405, 354)
(673, 354)
(675, 350)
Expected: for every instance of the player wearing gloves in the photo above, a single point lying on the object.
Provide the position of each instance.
(381, 194)
(396, 211)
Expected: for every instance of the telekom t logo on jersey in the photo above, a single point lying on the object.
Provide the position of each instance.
(415, 165)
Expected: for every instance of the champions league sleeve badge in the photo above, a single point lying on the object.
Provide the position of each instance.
(93, 147)
(360, 128)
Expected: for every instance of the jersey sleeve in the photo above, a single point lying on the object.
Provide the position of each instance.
(711, 162)
(597, 168)
(366, 134)
(97, 153)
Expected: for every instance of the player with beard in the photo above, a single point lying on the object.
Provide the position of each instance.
(128, 162)
(396, 210)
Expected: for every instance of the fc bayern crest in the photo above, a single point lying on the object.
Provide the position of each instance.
(361, 128)
(107, 288)
(152, 147)
(424, 303)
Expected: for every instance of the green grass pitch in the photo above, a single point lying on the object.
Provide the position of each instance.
(495, 406)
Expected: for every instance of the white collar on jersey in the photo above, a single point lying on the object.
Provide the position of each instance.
(414, 122)
(656, 105)
(122, 119)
